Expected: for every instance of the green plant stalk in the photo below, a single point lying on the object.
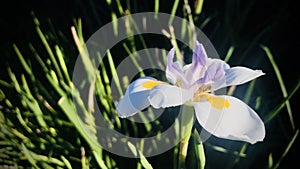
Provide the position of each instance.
(114, 73)
(141, 39)
(105, 77)
(67, 106)
(22, 121)
(198, 8)
(174, 43)
(205, 22)
(38, 58)
(281, 83)
(187, 120)
(62, 63)
(229, 53)
(48, 49)
(173, 12)
(87, 62)
(156, 8)
(279, 107)
(22, 60)
(134, 60)
(191, 28)
(114, 23)
(120, 7)
(137, 153)
(249, 91)
(287, 149)
(199, 150)
(223, 150)
(28, 155)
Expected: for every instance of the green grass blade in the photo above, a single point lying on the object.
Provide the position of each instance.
(156, 8)
(119, 5)
(281, 83)
(173, 12)
(68, 108)
(28, 155)
(87, 62)
(249, 91)
(22, 121)
(141, 39)
(22, 60)
(229, 53)
(114, 73)
(278, 108)
(139, 154)
(38, 58)
(134, 59)
(114, 23)
(198, 8)
(35, 108)
(48, 48)
(62, 63)
(99, 159)
(287, 149)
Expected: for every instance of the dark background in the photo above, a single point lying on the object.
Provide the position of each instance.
(277, 19)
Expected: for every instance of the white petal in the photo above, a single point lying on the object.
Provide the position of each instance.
(236, 76)
(136, 96)
(167, 95)
(230, 118)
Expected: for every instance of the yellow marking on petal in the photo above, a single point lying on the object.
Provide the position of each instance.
(216, 102)
(151, 83)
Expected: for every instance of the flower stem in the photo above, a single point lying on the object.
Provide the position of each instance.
(183, 151)
(187, 121)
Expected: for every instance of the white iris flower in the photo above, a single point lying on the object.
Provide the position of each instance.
(194, 84)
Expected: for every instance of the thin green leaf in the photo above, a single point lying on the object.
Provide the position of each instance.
(199, 148)
(48, 49)
(198, 8)
(138, 153)
(62, 63)
(229, 53)
(114, 23)
(278, 108)
(28, 155)
(173, 12)
(287, 149)
(281, 83)
(22, 60)
(156, 8)
(114, 73)
(69, 109)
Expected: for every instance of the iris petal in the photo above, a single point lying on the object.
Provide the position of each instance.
(230, 118)
(215, 72)
(174, 72)
(236, 76)
(198, 66)
(168, 95)
(135, 98)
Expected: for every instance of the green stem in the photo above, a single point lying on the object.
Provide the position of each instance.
(183, 151)
(187, 121)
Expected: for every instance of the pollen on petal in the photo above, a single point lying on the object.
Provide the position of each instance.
(216, 102)
(151, 83)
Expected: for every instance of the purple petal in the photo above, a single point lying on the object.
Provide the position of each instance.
(173, 72)
(197, 68)
(214, 73)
